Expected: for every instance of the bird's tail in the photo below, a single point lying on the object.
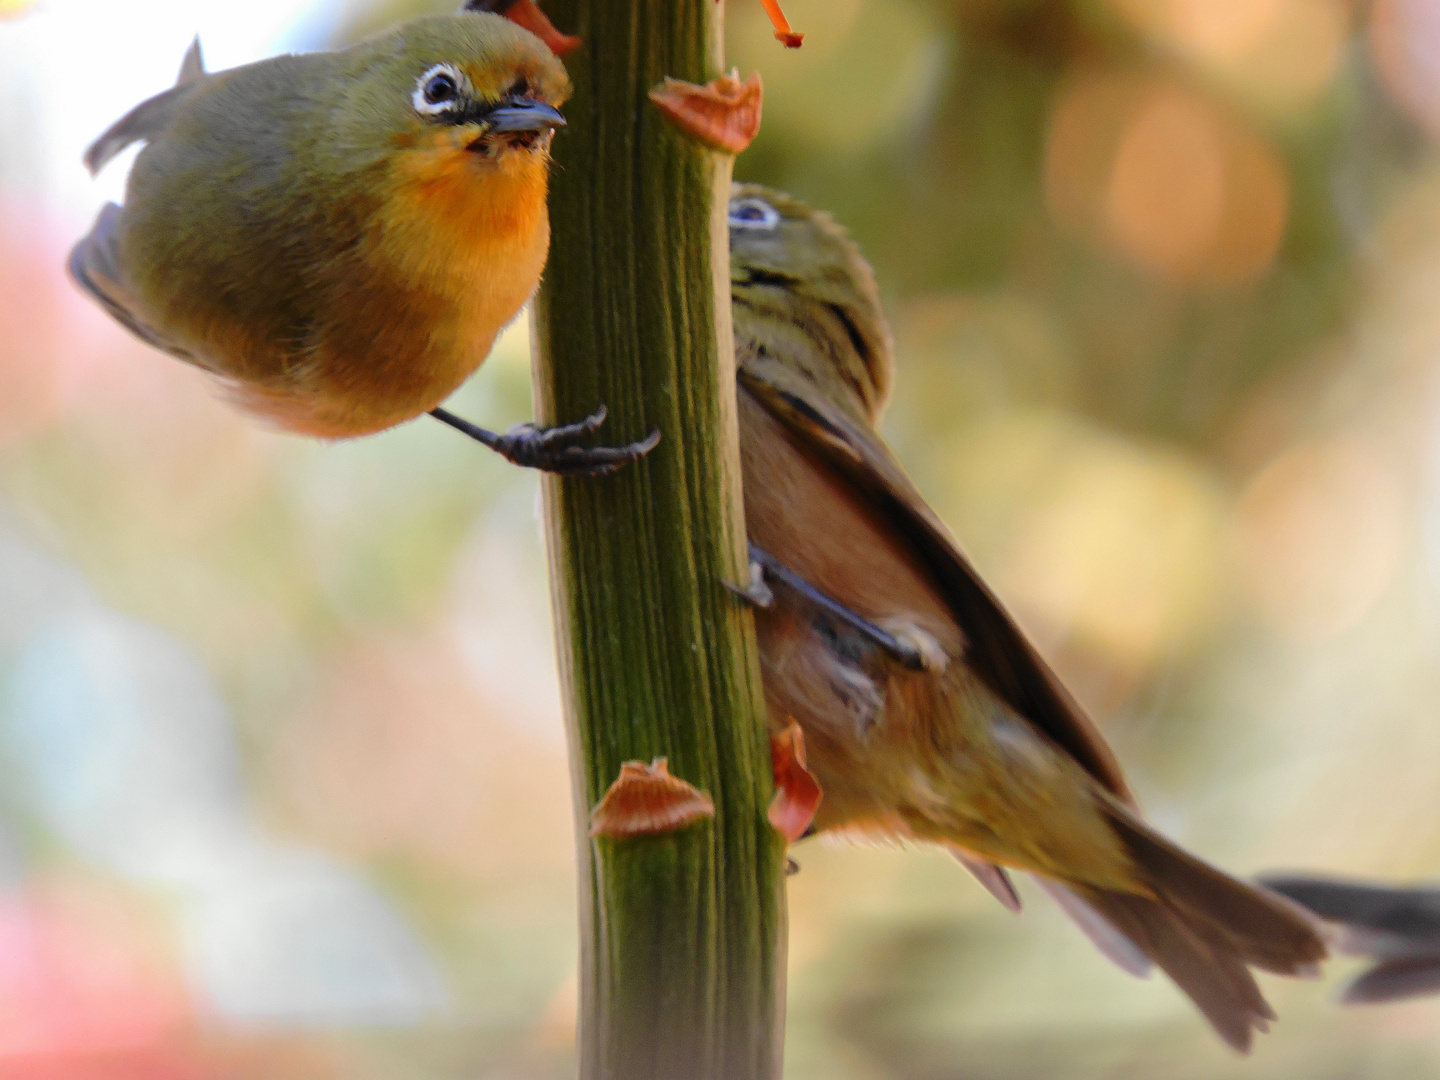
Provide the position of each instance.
(1202, 927)
(1398, 926)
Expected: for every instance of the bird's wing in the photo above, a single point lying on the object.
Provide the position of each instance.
(996, 649)
(150, 116)
(94, 266)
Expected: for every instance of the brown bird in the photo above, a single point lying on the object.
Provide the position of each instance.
(926, 713)
(1397, 926)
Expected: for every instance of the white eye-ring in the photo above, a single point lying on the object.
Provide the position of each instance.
(439, 90)
(753, 213)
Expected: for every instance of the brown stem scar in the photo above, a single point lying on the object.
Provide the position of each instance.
(723, 115)
(797, 792)
(646, 799)
(527, 14)
(783, 33)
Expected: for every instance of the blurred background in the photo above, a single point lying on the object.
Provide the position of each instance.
(283, 789)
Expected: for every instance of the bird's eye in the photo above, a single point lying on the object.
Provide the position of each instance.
(753, 213)
(438, 90)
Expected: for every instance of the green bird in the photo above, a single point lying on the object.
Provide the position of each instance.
(338, 237)
(927, 716)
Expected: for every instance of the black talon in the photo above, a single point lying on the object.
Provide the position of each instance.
(549, 449)
(563, 433)
(903, 651)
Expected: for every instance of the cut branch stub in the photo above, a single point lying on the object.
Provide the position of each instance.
(527, 14)
(646, 799)
(724, 114)
(797, 792)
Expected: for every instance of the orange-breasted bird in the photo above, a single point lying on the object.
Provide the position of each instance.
(340, 236)
(926, 713)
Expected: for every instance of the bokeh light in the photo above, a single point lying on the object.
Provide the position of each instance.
(1321, 531)
(1278, 54)
(1405, 42)
(1162, 176)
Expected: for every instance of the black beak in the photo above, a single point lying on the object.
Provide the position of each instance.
(524, 115)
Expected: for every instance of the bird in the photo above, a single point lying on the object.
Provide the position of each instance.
(339, 236)
(926, 714)
(1397, 926)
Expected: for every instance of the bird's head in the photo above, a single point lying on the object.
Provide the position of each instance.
(794, 270)
(447, 121)
(470, 91)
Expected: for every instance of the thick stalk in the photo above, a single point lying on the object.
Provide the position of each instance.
(682, 934)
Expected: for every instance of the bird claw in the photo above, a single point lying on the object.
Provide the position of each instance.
(757, 593)
(551, 449)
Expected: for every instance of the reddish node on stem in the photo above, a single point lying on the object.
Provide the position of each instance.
(724, 114)
(646, 799)
(783, 33)
(527, 13)
(797, 792)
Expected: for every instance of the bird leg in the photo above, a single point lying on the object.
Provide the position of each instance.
(764, 565)
(552, 449)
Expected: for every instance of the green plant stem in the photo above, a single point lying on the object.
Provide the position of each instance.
(682, 934)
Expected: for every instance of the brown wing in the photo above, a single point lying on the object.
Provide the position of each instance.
(94, 267)
(996, 649)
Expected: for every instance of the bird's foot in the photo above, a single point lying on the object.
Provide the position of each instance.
(553, 449)
(756, 593)
(913, 651)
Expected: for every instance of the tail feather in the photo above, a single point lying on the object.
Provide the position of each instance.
(1203, 928)
(1271, 932)
(1210, 972)
(1395, 980)
(1103, 934)
(1379, 920)
(996, 881)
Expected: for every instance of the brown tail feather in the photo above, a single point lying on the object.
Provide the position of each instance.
(1212, 974)
(1206, 929)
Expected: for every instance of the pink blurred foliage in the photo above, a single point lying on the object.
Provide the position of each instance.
(90, 990)
(60, 354)
(86, 987)
(399, 751)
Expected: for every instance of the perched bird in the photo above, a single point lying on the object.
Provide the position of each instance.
(1397, 926)
(926, 713)
(340, 236)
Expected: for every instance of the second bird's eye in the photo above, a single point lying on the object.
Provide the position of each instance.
(753, 213)
(437, 90)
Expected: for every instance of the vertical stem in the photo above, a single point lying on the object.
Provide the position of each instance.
(682, 935)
